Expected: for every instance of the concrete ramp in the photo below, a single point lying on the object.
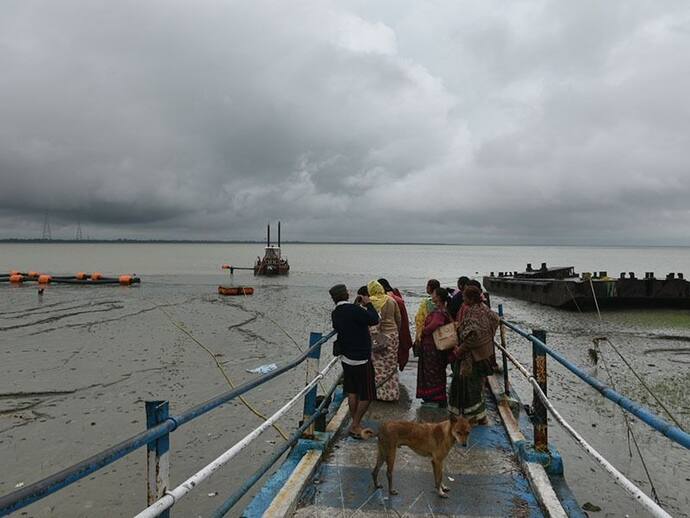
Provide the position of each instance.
(484, 478)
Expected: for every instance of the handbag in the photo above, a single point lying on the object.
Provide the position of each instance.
(445, 337)
(337, 351)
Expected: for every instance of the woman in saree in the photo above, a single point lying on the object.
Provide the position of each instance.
(425, 307)
(471, 360)
(431, 369)
(385, 340)
(405, 339)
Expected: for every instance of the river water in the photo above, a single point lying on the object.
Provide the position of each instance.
(77, 363)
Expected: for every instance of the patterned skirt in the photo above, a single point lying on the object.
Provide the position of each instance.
(431, 374)
(466, 394)
(384, 356)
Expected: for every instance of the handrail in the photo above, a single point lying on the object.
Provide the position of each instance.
(42, 488)
(634, 491)
(277, 453)
(172, 496)
(671, 431)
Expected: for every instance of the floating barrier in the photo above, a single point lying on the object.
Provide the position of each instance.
(95, 278)
(235, 290)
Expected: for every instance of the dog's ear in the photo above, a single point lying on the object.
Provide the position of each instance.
(452, 417)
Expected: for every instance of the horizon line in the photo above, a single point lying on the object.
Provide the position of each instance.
(298, 242)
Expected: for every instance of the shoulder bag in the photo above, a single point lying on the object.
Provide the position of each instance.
(446, 336)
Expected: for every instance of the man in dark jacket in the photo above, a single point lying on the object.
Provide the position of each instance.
(351, 322)
(456, 300)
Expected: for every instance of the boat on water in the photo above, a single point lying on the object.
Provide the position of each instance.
(562, 287)
(272, 263)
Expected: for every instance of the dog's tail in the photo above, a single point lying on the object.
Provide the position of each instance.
(368, 433)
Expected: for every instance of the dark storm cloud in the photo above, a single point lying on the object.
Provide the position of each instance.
(394, 121)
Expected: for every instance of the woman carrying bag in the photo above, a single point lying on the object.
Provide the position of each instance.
(431, 368)
(471, 360)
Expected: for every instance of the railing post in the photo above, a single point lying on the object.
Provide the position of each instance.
(157, 455)
(312, 370)
(506, 384)
(541, 428)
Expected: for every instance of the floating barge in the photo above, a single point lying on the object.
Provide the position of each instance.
(561, 287)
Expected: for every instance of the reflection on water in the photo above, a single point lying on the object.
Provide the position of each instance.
(78, 362)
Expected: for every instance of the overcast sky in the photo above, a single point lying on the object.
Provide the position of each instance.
(392, 121)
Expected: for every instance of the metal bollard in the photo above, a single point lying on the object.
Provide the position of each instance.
(506, 384)
(312, 370)
(541, 427)
(157, 455)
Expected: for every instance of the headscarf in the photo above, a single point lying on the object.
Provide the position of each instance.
(386, 285)
(377, 295)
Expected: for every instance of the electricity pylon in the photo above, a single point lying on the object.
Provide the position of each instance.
(46, 236)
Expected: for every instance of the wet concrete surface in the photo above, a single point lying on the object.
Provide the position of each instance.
(484, 477)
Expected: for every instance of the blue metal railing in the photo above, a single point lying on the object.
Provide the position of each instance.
(322, 409)
(38, 490)
(647, 416)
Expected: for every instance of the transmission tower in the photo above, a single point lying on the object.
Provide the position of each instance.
(79, 235)
(46, 236)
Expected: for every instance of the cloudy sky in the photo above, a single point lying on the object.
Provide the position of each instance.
(393, 121)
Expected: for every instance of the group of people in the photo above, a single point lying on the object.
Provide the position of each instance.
(374, 342)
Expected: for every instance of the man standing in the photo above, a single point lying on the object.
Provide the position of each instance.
(456, 300)
(351, 322)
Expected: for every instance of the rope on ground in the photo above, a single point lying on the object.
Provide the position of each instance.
(631, 435)
(299, 348)
(173, 496)
(222, 371)
(620, 479)
(626, 419)
(643, 383)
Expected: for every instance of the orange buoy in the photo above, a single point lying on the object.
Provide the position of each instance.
(125, 280)
(44, 279)
(96, 276)
(235, 290)
(15, 272)
(81, 276)
(16, 278)
(33, 275)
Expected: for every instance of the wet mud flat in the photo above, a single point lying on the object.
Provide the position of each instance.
(77, 365)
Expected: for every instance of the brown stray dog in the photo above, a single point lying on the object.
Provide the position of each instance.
(426, 439)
